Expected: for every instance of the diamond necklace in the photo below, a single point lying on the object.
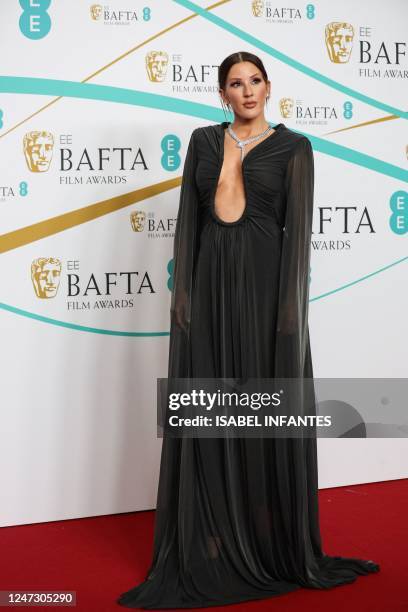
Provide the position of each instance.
(241, 143)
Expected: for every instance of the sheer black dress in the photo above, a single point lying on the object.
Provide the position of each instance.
(237, 518)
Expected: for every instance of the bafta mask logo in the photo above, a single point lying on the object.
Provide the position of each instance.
(96, 11)
(137, 220)
(38, 148)
(286, 107)
(45, 276)
(156, 65)
(339, 41)
(257, 8)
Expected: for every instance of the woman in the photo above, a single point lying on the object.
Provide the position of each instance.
(237, 518)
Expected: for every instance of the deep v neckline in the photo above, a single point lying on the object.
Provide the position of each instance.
(240, 219)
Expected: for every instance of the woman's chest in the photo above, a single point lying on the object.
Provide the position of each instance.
(261, 175)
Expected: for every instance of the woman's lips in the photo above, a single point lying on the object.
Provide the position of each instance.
(250, 104)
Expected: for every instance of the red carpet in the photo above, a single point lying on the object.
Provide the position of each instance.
(101, 557)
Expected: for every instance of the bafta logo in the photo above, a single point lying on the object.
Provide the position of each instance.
(257, 8)
(38, 148)
(137, 220)
(156, 65)
(96, 11)
(286, 107)
(45, 276)
(339, 41)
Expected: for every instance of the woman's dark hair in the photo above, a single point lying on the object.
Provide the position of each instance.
(235, 58)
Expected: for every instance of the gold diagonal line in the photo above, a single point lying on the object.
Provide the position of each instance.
(54, 225)
(168, 29)
(14, 127)
(363, 124)
(129, 52)
(148, 40)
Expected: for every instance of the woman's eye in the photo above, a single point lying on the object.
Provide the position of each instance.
(257, 80)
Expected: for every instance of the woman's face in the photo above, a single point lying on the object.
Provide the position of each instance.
(245, 84)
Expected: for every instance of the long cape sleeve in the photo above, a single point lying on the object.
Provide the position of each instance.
(184, 255)
(292, 338)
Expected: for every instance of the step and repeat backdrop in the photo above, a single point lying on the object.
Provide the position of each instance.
(97, 104)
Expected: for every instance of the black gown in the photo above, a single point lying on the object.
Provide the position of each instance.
(237, 518)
